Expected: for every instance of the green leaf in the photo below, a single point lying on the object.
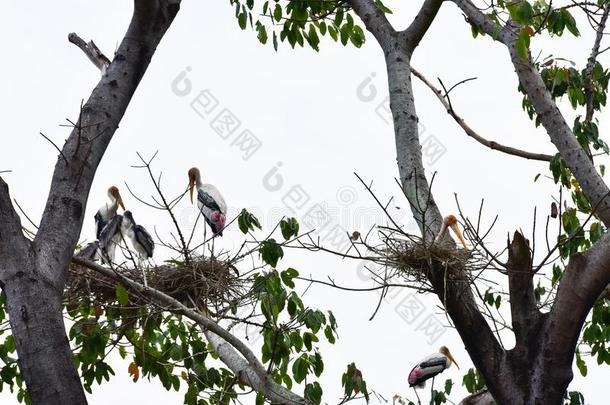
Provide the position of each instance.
(523, 44)
(121, 294)
(277, 12)
(271, 252)
(289, 228)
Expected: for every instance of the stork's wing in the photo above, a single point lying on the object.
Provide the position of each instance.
(144, 239)
(99, 224)
(437, 361)
(207, 199)
(89, 251)
(111, 229)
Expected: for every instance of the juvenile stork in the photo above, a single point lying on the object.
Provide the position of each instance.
(210, 202)
(108, 210)
(139, 237)
(111, 236)
(430, 366)
(450, 221)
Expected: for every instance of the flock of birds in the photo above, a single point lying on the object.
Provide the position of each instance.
(111, 229)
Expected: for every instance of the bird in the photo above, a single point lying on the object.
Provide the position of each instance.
(210, 202)
(140, 239)
(91, 251)
(430, 366)
(111, 236)
(450, 221)
(108, 210)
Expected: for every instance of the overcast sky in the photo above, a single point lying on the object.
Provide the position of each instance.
(319, 118)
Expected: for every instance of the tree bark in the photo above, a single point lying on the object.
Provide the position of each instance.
(33, 273)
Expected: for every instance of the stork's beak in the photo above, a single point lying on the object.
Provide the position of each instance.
(458, 233)
(120, 201)
(191, 187)
(451, 359)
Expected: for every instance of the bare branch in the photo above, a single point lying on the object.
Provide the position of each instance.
(588, 73)
(472, 133)
(421, 23)
(92, 51)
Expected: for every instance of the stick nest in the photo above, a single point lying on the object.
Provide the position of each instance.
(415, 259)
(207, 282)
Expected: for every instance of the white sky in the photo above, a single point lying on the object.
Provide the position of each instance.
(305, 110)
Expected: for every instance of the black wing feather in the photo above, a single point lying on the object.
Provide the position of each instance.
(144, 239)
(207, 200)
(110, 230)
(99, 224)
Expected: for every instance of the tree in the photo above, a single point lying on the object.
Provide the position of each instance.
(167, 319)
(538, 368)
(35, 272)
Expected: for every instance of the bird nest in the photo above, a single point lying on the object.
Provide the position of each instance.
(204, 282)
(416, 259)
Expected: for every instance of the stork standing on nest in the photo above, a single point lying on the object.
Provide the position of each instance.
(111, 236)
(139, 237)
(429, 367)
(210, 202)
(450, 221)
(108, 210)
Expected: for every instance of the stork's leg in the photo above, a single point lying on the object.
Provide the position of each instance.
(417, 395)
(143, 268)
(432, 391)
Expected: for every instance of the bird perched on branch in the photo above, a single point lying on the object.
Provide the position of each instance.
(430, 366)
(450, 221)
(139, 237)
(108, 210)
(210, 202)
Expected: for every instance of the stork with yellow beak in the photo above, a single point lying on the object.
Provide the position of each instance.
(108, 210)
(210, 202)
(450, 221)
(430, 366)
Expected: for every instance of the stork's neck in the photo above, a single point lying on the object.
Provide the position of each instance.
(198, 182)
(114, 203)
(441, 233)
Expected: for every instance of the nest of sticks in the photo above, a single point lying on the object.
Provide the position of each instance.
(207, 282)
(415, 259)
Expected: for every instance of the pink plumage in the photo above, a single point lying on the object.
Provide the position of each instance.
(219, 220)
(415, 374)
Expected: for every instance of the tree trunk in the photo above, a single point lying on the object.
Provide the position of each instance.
(45, 359)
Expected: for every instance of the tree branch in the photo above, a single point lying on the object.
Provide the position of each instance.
(421, 23)
(472, 133)
(11, 234)
(560, 133)
(524, 313)
(588, 73)
(374, 20)
(235, 354)
(92, 51)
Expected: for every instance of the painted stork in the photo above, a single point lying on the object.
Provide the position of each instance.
(108, 211)
(112, 235)
(431, 366)
(140, 239)
(210, 202)
(450, 221)
(92, 251)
